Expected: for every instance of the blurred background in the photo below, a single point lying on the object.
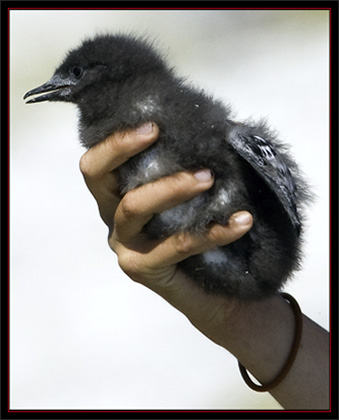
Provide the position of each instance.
(83, 335)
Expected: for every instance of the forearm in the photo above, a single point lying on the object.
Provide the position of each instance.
(260, 335)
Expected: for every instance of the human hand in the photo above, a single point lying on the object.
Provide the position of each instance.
(153, 262)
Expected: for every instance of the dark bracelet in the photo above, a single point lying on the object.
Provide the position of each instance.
(291, 357)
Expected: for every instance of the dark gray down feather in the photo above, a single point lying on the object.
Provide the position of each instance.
(120, 82)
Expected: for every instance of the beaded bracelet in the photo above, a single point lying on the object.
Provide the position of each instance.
(291, 357)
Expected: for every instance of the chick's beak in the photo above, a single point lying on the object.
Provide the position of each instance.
(58, 88)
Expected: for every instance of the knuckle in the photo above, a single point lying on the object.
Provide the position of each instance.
(112, 242)
(128, 208)
(126, 260)
(128, 265)
(220, 235)
(214, 235)
(183, 243)
(85, 165)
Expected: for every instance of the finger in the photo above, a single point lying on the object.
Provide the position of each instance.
(98, 163)
(138, 206)
(115, 150)
(178, 247)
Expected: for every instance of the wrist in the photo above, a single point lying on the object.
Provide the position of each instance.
(211, 314)
(261, 336)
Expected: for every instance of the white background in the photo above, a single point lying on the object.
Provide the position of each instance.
(82, 334)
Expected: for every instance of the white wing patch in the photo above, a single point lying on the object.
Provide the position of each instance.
(214, 257)
(147, 106)
(183, 214)
(149, 167)
(224, 196)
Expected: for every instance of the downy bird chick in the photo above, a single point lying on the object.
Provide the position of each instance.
(120, 82)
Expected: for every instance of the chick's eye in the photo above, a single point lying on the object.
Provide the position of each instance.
(77, 71)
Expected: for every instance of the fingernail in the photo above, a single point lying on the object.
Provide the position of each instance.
(145, 129)
(203, 175)
(243, 219)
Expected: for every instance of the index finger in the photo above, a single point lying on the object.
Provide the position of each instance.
(116, 149)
